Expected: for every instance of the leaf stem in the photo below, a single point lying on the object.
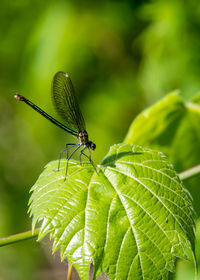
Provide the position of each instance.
(188, 174)
(18, 237)
(69, 274)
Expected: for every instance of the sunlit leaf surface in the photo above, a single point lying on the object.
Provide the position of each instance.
(131, 220)
(173, 127)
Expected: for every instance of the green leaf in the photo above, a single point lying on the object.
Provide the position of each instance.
(131, 220)
(173, 127)
(157, 125)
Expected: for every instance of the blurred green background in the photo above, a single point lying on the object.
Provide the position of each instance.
(121, 57)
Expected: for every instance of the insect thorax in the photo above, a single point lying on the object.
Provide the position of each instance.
(83, 138)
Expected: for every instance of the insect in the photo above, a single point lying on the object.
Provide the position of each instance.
(66, 105)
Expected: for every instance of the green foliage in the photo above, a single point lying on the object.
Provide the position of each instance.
(131, 220)
(121, 56)
(173, 127)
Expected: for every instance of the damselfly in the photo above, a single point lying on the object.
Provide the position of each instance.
(66, 105)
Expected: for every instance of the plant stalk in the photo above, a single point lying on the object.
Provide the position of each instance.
(18, 237)
(69, 274)
(190, 173)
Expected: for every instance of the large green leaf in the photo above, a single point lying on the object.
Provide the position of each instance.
(131, 220)
(173, 127)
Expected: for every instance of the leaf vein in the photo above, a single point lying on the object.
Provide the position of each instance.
(134, 178)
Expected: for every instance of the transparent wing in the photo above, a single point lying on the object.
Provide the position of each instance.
(65, 102)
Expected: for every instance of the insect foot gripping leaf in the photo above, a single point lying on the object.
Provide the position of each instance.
(131, 220)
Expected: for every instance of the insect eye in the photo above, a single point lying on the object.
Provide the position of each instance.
(93, 146)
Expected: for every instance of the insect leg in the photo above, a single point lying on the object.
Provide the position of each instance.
(69, 144)
(67, 148)
(89, 154)
(89, 157)
(82, 153)
(79, 145)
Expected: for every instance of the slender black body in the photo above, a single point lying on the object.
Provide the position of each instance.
(66, 105)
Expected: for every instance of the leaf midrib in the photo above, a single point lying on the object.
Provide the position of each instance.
(129, 222)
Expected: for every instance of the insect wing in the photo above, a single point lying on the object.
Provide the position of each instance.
(65, 102)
